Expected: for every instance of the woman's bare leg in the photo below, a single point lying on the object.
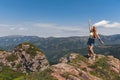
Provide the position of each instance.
(91, 52)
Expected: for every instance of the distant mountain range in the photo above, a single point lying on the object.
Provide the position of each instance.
(55, 48)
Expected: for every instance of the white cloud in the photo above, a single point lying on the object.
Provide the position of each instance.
(113, 25)
(12, 28)
(41, 29)
(21, 28)
(56, 30)
(101, 23)
(6, 25)
(50, 29)
(107, 24)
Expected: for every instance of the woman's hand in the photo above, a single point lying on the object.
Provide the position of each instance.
(101, 42)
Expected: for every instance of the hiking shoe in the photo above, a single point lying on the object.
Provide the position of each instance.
(93, 57)
(90, 58)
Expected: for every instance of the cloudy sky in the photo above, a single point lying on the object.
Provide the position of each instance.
(58, 18)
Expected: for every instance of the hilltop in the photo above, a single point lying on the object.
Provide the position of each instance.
(27, 62)
(79, 67)
(24, 58)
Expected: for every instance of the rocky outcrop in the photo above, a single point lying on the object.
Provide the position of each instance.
(25, 57)
(114, 64)
(28, 58)
(79, 68)
(63, 60)
(64, 71)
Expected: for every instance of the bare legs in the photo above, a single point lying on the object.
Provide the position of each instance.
(91, 52)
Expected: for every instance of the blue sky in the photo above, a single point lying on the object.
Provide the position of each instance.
(58, 18)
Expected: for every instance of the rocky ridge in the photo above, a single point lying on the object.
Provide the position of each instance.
(80, 68)
(25, 58)
(28, 58)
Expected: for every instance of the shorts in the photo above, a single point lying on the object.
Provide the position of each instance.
(91, 42)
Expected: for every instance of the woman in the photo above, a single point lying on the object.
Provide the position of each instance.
(91, 41)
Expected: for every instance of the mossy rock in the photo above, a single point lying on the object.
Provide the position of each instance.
(32, 50)
(78, 61)
(101, 69)
(79, 58)
(42, 75)
(19, 65)
(102, 63)
(12, 57)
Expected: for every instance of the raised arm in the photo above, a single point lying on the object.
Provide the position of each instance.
(90, 28)
(100, 39)
(89, 25)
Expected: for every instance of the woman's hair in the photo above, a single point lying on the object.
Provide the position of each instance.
(94, 29)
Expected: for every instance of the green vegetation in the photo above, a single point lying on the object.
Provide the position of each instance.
(78, 61)
(101, 69)
(8, 74)
(66, 74)
(79, 58)
(19, 65)
(43, 75)
(32, 50)
(2, 50)
(12, 57)
(20, 78)
(102, 63)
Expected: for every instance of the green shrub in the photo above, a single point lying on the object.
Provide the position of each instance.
(20, 78)
(12, 57)
(32, 50)
(42, 75)
(79, 59)
(66, 74)
(8, 74)
(101, 74)
(19, 65)
(102, 63)
(101, 69)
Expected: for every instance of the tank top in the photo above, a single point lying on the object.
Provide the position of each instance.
(91, 35)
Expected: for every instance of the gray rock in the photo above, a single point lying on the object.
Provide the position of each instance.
(22, 60)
